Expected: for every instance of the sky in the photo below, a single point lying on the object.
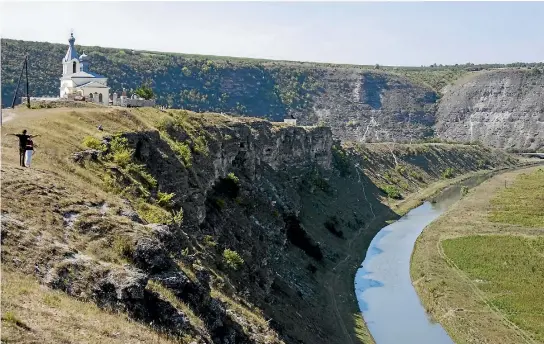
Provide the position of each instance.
(385, 33)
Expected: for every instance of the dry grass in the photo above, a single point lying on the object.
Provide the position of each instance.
(34, 314)
(460, 281)
(53, 187)
(521, 203)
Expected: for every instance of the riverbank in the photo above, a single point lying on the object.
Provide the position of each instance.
(467, 265)
(345, 272)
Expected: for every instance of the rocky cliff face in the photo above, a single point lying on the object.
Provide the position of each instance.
(501, 108)
(371, 106)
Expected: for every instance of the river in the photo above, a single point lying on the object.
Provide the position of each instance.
(386, 296)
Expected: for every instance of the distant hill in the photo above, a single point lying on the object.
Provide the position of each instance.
(359, 103)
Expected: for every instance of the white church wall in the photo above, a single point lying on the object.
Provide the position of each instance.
(93, 90)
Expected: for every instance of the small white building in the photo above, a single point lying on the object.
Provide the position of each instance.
(78, 80)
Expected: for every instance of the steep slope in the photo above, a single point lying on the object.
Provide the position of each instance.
(203, 227)
(502, 108)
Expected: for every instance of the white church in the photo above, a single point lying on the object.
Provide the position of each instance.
(78, 80)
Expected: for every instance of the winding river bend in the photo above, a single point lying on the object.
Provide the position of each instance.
(386, 297)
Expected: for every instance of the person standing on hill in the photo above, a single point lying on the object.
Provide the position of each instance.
(22, 145)
(29, 150)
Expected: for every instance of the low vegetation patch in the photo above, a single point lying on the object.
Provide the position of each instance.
(448, 173)
(521, 203)
(509, 270)
(392, 192)
(93, 143)
(232, 259)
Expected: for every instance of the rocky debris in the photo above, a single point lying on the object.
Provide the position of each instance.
(85, 278)
(69, 219)
(118, 289)
(86, 155)
(131, 214)
(150, 255)
(160, 231)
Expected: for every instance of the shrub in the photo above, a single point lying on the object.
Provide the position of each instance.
(144, 91)
(153, 214)
(232, 259)
(392, 192)
(123, 246)
(201, 146)
(448, 173)
(464, 190)
(208, 241)
(183, 150)
(233, 177)
(122, 158)
(177, 217)
(93, 143)
(120, 154)
(416, 175)
(165, 199)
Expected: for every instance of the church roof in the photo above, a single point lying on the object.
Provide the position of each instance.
(93, 84)
(83, 75)
(72, 52)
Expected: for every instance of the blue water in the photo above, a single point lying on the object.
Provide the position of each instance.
(386, 297)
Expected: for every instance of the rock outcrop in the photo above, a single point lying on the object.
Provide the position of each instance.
(501, 108)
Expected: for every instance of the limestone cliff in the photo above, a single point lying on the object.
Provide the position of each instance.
(501, 108)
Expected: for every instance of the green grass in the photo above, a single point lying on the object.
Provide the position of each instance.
(92, 142)
(521, 203)
(392, 192)
(510, 272)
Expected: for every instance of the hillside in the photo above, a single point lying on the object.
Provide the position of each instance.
(200, 227)
(359, 103)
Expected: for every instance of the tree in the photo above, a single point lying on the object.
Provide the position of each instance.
(144, 91)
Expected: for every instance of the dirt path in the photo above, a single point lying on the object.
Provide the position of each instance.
(7, 115)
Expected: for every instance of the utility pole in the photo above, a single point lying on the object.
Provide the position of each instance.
(23, 69)
(27, 88)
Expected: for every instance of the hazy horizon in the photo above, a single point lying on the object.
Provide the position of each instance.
(361, 33)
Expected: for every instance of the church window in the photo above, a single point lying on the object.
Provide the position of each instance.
(74, 67)
(100, 97)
